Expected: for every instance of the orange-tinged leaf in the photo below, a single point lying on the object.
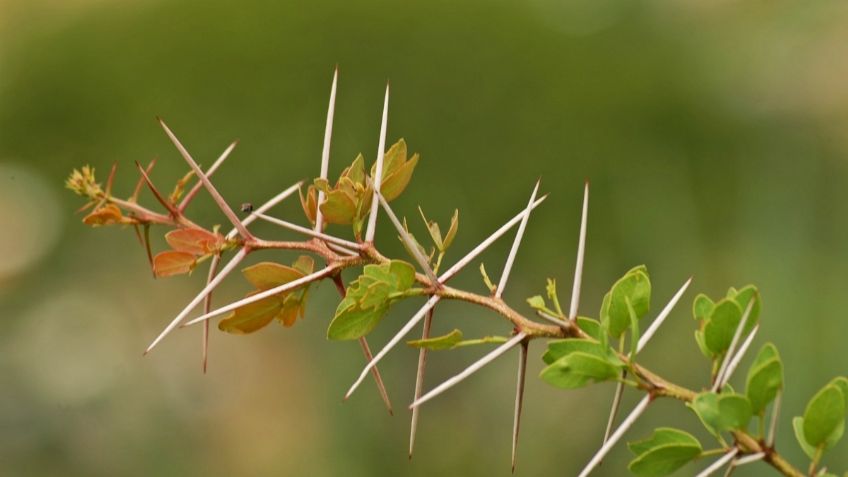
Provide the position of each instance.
(266, 275)
(338, 207)
(251, 317)
(288, 315)
(309, 203)
(171, 262)
(106, 215)
(396, 181)
(392, 159)
(305, 264)
(194, 241)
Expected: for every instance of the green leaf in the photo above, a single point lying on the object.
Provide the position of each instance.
(798, 427)
(397, 170)
(447, 341)
(702, 307)
(635, 286)
(369, 298)
(735, 410)
(765, 378)
(824, 417)
(699, 338)
(579, 369)
(721, 326)
(634, 329)
(563, 347)
(551, 291)
(742, 298)
(663, 436)
(721, 412)
(590, 327)
(452, 230)
(486, 280)
(338, 207)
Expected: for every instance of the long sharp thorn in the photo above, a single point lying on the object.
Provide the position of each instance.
(325, 151)
(616, 404)
(459, 265)
(159, 197)
(140, 182)
(649, 333)
(111, 179)
(323, 273)
(216, 196)
(479, 364)
(378, 176)
(381, 387)
(366, 350)
(410, 244)
(394, 341)
(214, 167)
(551, 318)
(519, 398)
(617, 435)
(727, 356)
(731, 368)
(207, 306)
(775, 412)
(310, 232)
(510, 259)
(229, 267)
(419, 381)
(342, 250)
(719, 463)
(581, 253)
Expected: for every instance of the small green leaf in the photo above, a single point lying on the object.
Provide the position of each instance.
(551, 290)
(721, 326)
(486, 280)
(824, 417)
(702, 307)
(369, 298)
(590, 327)
(765, 378)
(537, 303)
(735, 410)
(447, 341)
(560, 348)
(705, 406)
(634, 329)
(798, 427)
(664, 452)
(742, 298)
(452, 230)
(579, 369)
(699, 338)
(635, 286)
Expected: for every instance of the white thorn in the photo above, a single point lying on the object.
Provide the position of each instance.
(739, 355)
(216, 196)
(419, 381)
(616, 403)
(378, 176)
(724, 362)
(553, 319)
(215, 165)
(200, 296)
(324, 272)
(748, 459)
(617, 435)
(519, 398)
(649, 333)
(342, 250)
(470, 370)
(486, 243)
(510, 259)
(581, 253)
(719, 463)
(394, 341)
(410, 244)
(325, 151)
(775, 412)
(308, 231)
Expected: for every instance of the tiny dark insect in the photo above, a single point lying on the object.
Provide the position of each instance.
(247, 207)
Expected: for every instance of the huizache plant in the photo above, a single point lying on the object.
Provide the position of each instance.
(579, 350)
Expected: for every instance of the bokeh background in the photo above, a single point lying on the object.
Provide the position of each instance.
(714, 134)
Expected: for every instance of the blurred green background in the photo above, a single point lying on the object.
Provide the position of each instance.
(714, 134)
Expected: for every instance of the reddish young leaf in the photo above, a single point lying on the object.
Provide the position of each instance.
(106, 215)
(170, 263)
(194, 241)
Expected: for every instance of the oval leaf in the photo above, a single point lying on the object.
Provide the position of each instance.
(170, 263)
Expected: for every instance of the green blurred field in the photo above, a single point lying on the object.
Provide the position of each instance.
(714, 134)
